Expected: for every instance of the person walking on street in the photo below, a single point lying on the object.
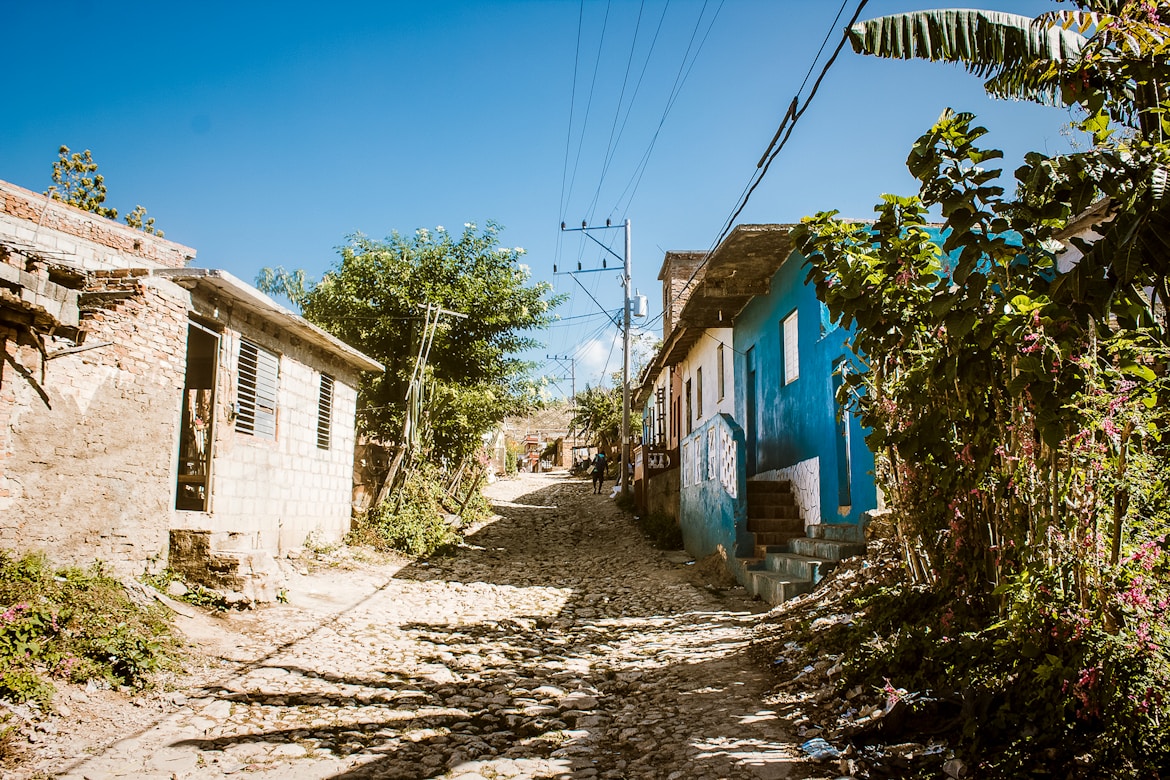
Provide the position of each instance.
(598, 471)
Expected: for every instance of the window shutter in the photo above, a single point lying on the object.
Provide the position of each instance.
(324, 412)
(256, 391)
(791, 349)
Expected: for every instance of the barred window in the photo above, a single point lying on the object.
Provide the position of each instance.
(324, 412)
(256, 391)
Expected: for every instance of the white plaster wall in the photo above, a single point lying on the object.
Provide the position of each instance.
(705, 355)
(805, 477)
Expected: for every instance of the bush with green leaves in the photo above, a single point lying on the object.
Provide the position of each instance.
(196, 595)
(413, 520)
(1017, 397)
(73, 624)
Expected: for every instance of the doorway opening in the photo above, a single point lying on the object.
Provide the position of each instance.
(193, 481)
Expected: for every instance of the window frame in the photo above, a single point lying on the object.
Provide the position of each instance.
(720, 373)
(257, 390)
(790, 348)
(325, 398)
(698, 394)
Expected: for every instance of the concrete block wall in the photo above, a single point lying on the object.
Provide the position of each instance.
(62, 232)
(272, 494)
(87, 452)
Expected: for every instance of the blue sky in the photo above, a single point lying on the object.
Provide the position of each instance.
(264, 133)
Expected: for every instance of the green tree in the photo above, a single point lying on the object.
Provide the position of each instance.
(77, 182)
(599, 416)
(1020, 57)
(375, 297)
(1111, 60)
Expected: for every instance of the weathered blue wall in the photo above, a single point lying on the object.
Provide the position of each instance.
(712, 506)
(798, 421)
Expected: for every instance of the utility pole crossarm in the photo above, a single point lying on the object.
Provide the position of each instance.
(626, 273)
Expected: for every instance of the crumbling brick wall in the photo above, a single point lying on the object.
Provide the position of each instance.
(88, 438)
(680, 274)
(60, 231)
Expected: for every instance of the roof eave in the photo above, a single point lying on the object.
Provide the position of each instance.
(255, 301)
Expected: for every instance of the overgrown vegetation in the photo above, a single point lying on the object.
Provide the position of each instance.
(193, 593)
(421, 519)
(1019, 402)
(73, 624)
(512, 454)
(77, 182)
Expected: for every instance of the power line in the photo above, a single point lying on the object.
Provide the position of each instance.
(569, 131)
(617, 111)
(588, 106)
(680, 79)
(795, 117)
(791, 117)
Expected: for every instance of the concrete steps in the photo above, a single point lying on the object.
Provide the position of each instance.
(772, 514)
(776, 588)
(789, 559)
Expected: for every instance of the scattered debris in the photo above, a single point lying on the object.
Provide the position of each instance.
(874, 732)
(820, 750)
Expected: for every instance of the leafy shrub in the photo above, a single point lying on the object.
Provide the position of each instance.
(1045, 689)
(1018, 416)
(476, 508)
(73, 624)
(512, 453)
(412, 521)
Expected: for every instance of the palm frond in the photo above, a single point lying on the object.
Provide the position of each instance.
(986, 43)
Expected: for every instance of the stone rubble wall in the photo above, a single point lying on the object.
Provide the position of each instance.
(88, 439)
(677, 285)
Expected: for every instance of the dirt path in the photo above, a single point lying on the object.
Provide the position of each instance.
(557, 644)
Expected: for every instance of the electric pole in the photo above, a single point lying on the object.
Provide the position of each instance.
(572, 361)
(626, 370)
(624, 476)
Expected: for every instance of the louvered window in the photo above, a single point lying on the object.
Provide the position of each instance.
(324, 411)
(256, 391)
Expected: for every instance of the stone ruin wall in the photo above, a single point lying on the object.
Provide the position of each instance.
(57, 231)
(87, 439)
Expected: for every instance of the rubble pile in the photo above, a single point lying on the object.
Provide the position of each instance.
(858, 731)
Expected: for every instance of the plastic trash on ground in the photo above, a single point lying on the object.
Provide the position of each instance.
(820, 750)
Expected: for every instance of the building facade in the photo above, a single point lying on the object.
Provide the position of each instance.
(141, 399)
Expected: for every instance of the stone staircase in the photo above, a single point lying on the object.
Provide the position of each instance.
(788, 562)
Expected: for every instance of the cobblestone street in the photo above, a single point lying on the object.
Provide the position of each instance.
(558, 643)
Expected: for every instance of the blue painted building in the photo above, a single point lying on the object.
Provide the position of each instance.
(790, 358)
(745, 310)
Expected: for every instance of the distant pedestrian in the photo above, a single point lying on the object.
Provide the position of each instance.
(598, 471)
